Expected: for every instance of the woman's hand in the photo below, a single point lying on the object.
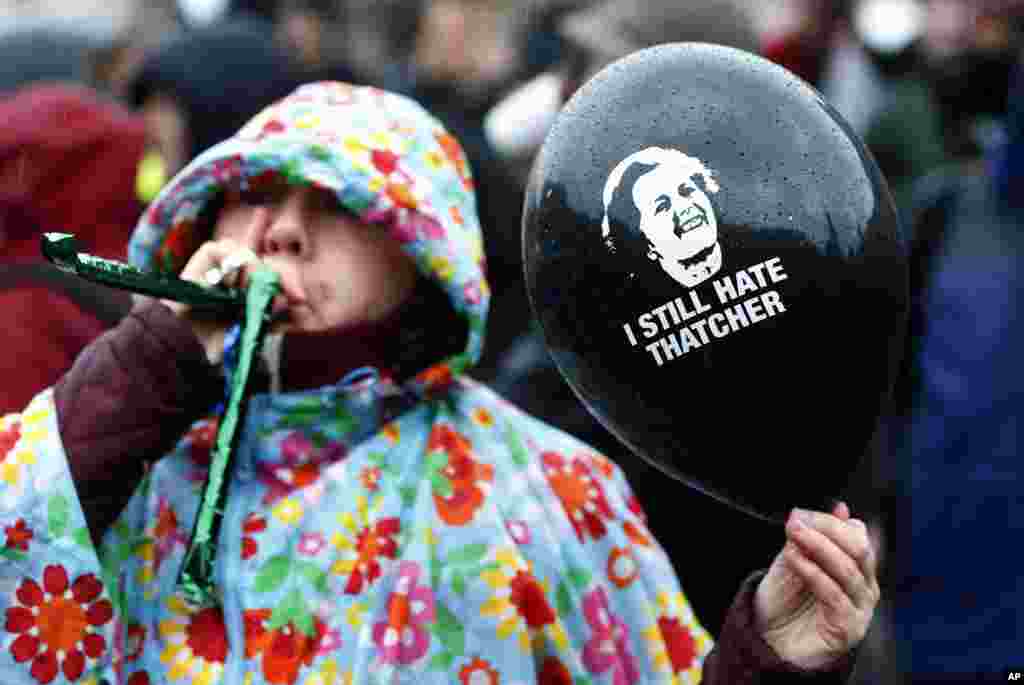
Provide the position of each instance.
(819, 596)
(209, 331)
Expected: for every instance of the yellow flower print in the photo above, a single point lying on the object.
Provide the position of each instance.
(520, 603)
(327, 674)
(675, 641)
(19, 437)
(196, 643)
(362, 543)
(307, 121)
(435, 160)
(442, 266)
(483, 417)
(288, 511)
(354, 615)
(392, 432)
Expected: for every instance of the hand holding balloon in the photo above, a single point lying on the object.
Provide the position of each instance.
(819, 596)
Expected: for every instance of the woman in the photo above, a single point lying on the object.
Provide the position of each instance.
(388, 519)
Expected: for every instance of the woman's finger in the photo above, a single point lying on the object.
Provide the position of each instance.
(210, 255)
(833, 560)
(822, 585)
(851, 535)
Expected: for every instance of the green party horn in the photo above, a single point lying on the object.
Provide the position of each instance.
(196, 581)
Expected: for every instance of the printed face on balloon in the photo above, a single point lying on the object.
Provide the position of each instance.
(671, 212)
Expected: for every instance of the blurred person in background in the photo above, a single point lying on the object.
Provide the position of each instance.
(959, 591)
(970, 48)
(201, 85)
(44, 55)
(462, 57)
(902, 124)
(68, 162)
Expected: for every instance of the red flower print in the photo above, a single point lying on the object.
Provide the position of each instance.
(622, 567)
(472, 292)
(9, 438)
(454, 152)
(478, 672)
(179, 244)
(403, 637)
(206, 635)
(466, 476)
(581, 494)
(436, 379)
(372, 542)
(253, 524)
(166, 533)
(608, 647)
(370, 478)
(135, 641)
(311, 544)
(57, 632)
(527, 595)
(519, 531)
(456, 215)
(636, 535)
(602, 464)
(634, 506)
(553, 672)
(201, 440)
(283, 651)
(226, 169)
(679, 643)
(384, 161)
(18, 536)
(300, 466)
(271, 127)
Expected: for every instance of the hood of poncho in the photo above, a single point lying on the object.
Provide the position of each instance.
(384, 157)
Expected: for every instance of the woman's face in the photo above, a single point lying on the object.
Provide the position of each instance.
(676, 216)
(335, 270)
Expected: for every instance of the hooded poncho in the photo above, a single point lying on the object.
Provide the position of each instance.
(426, 532)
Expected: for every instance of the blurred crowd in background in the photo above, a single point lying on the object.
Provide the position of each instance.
(101, 103)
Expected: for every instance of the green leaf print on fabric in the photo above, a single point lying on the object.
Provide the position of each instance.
(316, 576)
(57, 515)
(520, 457)
(439, 483)
(408, 494)
(449, 631)
(293, 609)
(442, 661)
(82, 537)
(468, 555)
(13, 554)
(273, 573)
(563, 599)
(580, 578)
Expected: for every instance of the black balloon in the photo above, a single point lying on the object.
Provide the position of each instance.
(715, 262)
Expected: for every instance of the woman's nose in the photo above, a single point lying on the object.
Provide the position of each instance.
(286, 232)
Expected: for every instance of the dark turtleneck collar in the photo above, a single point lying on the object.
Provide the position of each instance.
(420, 332)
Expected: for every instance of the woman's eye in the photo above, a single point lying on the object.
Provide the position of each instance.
(662, 206)
(685, 190)
(256, 198)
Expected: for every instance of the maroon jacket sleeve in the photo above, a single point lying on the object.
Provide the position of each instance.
(741, 655)
(128, 397)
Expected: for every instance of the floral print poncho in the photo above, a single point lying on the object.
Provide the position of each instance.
(428, 533)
